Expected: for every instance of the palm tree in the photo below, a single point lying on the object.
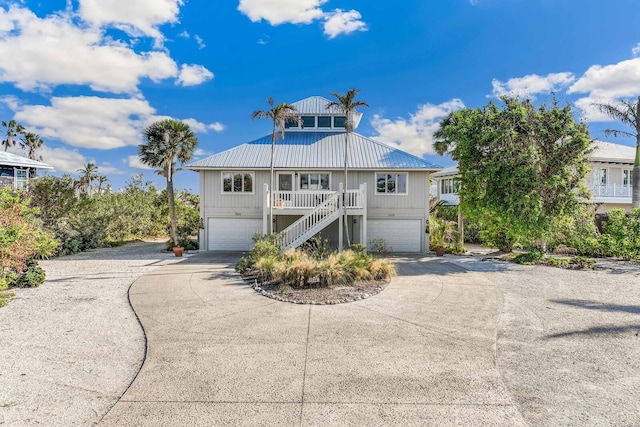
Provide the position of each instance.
(31, 142)
(168, 141)
(101, 180)
(628, 113)
(280, 115)
(13, 130)
(348, 105)
(88, 174)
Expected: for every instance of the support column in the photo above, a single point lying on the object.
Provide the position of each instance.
(265, 209)
(341, 220)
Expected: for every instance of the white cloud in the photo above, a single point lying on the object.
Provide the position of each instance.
(341, 22)
(636, 50)
(73, 55)
(136, 17)
(62, 159)
(200, 42)
(200, 127)
(415, 134)
(620, 80)
(89, 121)
(531, 85)
(278, 12)
(134, 162)
(192, 75)
(217, 126)
(590, 112)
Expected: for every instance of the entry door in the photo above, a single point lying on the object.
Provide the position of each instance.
(285, 181)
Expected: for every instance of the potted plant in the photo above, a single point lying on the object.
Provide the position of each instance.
(178, 250)
(442, 235)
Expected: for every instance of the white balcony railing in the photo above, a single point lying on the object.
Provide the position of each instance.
(611, 190)
(311, 199)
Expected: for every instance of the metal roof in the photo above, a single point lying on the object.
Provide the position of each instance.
(450, 171)
(614, 153)
(314, 150)
(10, 159)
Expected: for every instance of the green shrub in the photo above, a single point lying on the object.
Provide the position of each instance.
(379, 247)
(621, 234)
(528, 258)
(32, 277)
(189, 244)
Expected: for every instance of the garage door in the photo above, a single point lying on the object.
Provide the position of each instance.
(232, 234)
(402, 235)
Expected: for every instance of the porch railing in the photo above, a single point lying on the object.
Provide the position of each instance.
(354, 199)
(611, 190)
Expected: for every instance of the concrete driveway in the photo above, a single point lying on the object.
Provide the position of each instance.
(422, 352)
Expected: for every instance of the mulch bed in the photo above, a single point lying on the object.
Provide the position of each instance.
(318, 295)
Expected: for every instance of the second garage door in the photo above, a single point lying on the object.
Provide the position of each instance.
(402, 235)
(232, 234)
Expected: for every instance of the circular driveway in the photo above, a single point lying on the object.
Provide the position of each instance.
(420, 352)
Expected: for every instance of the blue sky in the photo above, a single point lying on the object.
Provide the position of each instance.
(89, 75)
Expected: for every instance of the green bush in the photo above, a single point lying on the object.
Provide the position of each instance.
(21, 240)
(621, 234)
(528, 258)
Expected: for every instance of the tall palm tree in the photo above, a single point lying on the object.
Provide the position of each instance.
(88, 174)
(101, 180)
(629, 114)
(13, 129)
(280, 115)
(348, 105)
(31, 142)
(168, 141)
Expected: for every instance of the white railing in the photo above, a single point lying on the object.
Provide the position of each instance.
(305, 227)
(611, 190)
(354, 199)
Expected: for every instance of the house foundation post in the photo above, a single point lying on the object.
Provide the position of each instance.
(265, 209)
(340, 221)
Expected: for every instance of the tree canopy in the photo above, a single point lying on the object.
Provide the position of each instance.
(520, 166)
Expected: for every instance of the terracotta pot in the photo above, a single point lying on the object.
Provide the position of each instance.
(440, 251)
(178, 250)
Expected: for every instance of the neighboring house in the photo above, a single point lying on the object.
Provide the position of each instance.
(447, 185)
(15, 171)
(386, 197)
(610, 178)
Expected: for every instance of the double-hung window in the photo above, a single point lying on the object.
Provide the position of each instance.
(391, 183)
(449, 186)
(237, 182)
(627, 177)
(600, 176)
(21, 179)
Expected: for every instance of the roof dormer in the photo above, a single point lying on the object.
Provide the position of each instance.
(317, 117)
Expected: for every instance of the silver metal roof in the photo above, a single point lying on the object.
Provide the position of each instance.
(450, 171)
(614, 153)
(314, 150)
(10, 159)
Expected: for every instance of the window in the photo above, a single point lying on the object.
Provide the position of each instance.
(324, 121)
(237, 182)
(308, 121)
(391, 183)
(338, 122)
(21, 179)
(314, 181)
(600, 176)
(449, 186)
(627, 177)
(291, 124)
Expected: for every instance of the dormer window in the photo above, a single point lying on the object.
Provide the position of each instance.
(291, 124)
(324, 121)
(338, 121)
(308, 121)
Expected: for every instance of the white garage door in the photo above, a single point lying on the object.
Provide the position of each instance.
(232, 234)
(402, 235)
